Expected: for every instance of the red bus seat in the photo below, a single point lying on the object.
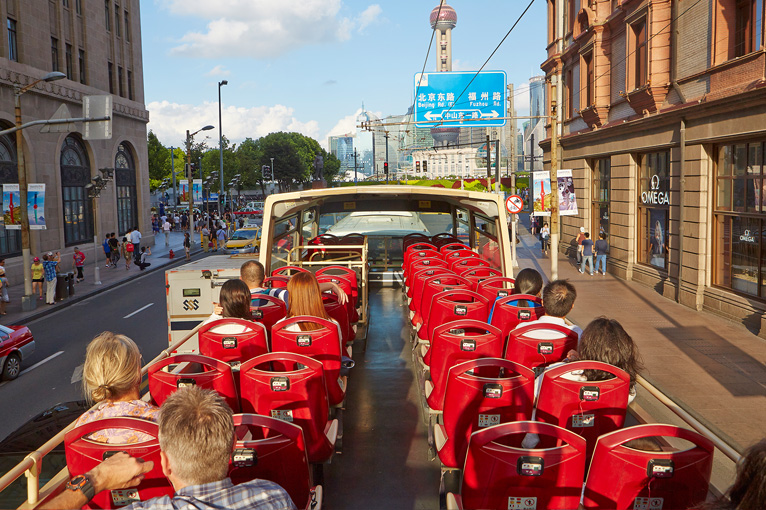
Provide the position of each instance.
(444, 239)
(205, 372)
(419, 278)
(347, 274)
(274, 450)
(416, 239)
(339, 312)
(454, 343)
(268, 310)
(291, 387)
(411, 256)
(624, 478)
(526, 347)
(82, 455)
(321, 240)
(420, 263)
(276, 282)
(288, 271)
(452, 255)
(476, 275)
(460, 264)
(496, 287)
(323, 344)
(588, 408)
(491, 253)
(345, 286)
(452, 305)
(510, 311)
(499, 476)
(433, 286)
(233, 347)
(481, 393)
(452, 247)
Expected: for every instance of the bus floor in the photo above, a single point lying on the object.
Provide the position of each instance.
(384, 460)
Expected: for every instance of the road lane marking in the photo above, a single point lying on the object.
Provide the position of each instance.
(139, 310)
(76, 375)
(41, 362)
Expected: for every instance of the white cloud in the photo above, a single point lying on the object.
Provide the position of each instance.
(218, 70)
(348, 125)
(169, 121)
(265, 28)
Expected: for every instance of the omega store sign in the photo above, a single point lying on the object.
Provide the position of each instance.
(655, 195)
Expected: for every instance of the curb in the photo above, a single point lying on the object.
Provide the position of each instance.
(103, 288)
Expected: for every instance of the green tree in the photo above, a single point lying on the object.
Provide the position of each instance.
(249, 155)
(158, 157)
(289, 166)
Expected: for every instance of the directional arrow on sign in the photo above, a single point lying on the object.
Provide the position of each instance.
(491, 115)
(431, 117)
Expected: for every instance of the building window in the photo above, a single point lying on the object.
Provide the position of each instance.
(746, 27)
(740, 219)
(125, 180)
(602, 174)
(637, 72)
(69, 62)
(13, 49)
(66, 3)
(77, 207)
(111, 78)
(120, 81)
(54, 54)
(81, 63)
(127, 26)
(78, 6)
(10, 240)
(571, 15)
(130, 85)
(653, 208)
(107, 16)
(551, 21)
(590, 80)
(568, 95)
(117, 21)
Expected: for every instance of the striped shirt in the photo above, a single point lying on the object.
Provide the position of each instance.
(256, 495)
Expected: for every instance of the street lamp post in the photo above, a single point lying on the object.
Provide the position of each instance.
(28, 301)
(190, 174)
(273, 175)
(173, 174)
(220, 147)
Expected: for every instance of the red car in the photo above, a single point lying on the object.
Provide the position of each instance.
(16, 344)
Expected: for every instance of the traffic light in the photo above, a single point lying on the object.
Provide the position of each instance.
(417, 166)
(385, 167)
(266, 172)
(425, 166)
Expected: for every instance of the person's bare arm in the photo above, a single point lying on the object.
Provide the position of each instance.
(332, 287)
(119, 471)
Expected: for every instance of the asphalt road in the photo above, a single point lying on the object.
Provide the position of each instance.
(53, 373)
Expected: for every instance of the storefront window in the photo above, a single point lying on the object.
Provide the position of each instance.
(654, 205)
(740, 219)
(602, 173)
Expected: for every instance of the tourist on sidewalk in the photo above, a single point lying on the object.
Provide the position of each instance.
(579, 240)
(38, 277)
(127, 252)
(114, 249)
(166, 231)
(587, 253)
(105, 245)
(4, 298)
(50, 261)
(221, 236)
(142, 261)
(602, 248)
(187, 245)
(78, 262)
(135, 238)
(545, 237)
(205, 238)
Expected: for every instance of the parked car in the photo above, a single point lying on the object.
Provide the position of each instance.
(244, 240)
(16, 345)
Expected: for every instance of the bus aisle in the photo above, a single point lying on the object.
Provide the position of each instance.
(713, 368)
(384, 463)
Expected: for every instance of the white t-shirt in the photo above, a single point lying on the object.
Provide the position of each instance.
(166, 226)
(547, 334)
(135, 237)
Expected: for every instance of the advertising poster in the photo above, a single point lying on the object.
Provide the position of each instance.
(567, 201)
(197, 191)
(183, 191)
(11, 207)
(541, 193)
(36, 206)
(658, 229)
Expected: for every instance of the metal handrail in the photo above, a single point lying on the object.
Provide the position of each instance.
(31, 464)
(689, 419)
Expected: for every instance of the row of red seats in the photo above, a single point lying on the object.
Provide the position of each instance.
(267, 448)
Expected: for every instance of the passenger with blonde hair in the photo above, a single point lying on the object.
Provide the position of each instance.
(111, 378)
(306, 299)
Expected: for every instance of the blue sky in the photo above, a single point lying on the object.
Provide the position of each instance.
(307, 65)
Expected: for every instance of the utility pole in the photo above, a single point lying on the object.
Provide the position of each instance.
(489, 165)
(512, 132)
(173, 173)
(356, 154)
(387, 157)
(554, 182)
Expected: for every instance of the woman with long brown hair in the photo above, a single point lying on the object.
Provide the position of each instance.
(233, 302)
(305, 298)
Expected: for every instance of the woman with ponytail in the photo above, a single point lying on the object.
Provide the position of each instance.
(111, 378)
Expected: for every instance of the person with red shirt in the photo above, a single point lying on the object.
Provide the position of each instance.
(79, 263)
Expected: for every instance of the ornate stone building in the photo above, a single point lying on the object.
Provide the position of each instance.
(663, 122)
(97, 44)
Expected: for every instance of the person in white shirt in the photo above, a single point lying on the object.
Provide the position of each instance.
(558, 300)
(166, 230)
(135, 239)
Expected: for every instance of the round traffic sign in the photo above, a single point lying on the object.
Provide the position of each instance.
(514, 204)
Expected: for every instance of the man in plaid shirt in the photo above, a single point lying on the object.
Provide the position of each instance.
(50, 262)
(188, 418)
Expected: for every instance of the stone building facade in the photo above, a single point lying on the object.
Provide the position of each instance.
(662, 110)
(97, 44)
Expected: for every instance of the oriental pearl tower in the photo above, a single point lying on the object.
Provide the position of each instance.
(443, 20)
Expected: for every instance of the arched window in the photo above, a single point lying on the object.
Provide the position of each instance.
(125, 180)
(75, 174)
(10, 240)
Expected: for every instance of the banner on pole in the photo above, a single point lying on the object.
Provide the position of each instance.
(197, 191)
(567, 201)
(541, 193)
(36, 206)
(183, 187)
(11, 207)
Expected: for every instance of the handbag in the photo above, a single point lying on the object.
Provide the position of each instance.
(129, 248)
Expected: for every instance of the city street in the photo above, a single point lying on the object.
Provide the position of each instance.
(53, 373)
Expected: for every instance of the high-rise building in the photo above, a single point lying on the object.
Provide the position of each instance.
(342, 147)
(534, 130)
(98, 47)
(537, 96)
(443, 19)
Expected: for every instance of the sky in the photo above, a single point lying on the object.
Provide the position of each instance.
(310, 65)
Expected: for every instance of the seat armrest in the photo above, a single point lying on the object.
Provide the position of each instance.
(429, 387)
(440, 436)
(331, 431)
(454, 501)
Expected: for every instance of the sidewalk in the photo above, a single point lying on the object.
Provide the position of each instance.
(714, 368)
(110, 277)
